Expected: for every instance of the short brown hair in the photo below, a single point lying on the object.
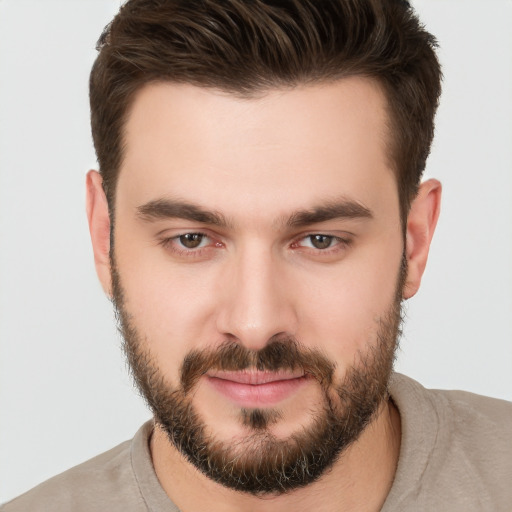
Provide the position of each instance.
(249, 46)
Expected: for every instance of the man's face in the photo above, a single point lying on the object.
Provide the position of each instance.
(258, 272)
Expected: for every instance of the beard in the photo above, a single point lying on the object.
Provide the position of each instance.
(260, 463)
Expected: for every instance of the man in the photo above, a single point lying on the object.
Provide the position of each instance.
(258, 219)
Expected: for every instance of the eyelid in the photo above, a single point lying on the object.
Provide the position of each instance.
(344, 236)
(344, 240)
(171, 232)
(170, 242)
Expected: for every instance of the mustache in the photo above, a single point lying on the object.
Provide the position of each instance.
(277, 354)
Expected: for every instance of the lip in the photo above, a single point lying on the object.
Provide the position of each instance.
(255, 388)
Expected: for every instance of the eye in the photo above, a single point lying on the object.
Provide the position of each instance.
(322, 246)
(191, 245)
(192, 240)
(319, 241)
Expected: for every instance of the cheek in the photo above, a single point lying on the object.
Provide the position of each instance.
(171, 307)
(342, 307)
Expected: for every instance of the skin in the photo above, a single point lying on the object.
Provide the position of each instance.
(257, 162)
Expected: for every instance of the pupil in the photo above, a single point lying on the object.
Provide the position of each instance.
(321, 241)
(191, 240)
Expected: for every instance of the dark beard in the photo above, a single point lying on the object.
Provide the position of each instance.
(260, 463)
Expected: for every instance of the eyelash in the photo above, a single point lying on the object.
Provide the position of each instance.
(340, 244)
(171, 243)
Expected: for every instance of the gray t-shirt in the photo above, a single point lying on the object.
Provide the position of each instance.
(455, 455)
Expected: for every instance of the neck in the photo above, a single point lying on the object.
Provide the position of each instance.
(359, 481)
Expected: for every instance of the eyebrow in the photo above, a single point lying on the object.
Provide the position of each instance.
(168, 209)
(160, 209)
(340, 209)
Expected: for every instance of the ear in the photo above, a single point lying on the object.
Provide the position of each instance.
(421, 223)
(99, 228)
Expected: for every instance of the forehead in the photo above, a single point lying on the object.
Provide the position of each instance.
(288, 147)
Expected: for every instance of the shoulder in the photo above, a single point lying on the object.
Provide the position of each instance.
(480, 428)
(92, 485)
(456, 448)
(460, 411)
(476, 413)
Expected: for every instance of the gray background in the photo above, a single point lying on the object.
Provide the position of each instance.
(64, 392)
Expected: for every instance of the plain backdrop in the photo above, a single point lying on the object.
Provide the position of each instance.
(64, 391)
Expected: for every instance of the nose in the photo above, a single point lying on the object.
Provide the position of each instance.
(255, 303)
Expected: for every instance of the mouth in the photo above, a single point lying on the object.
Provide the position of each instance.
(252, 388)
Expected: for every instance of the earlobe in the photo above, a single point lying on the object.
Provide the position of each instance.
(99, 228)
(421, 223)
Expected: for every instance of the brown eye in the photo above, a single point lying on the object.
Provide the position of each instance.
(191, 240)
(321, 241)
